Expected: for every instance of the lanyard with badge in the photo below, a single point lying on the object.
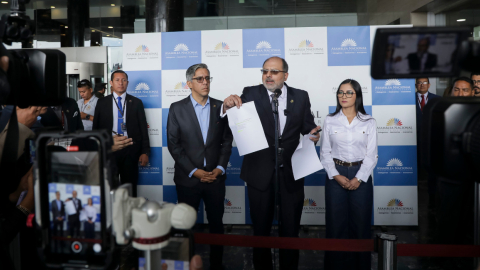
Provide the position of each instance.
(122, 112)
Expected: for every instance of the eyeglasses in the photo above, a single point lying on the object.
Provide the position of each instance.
(273, 71)
(349, 93)
(420, 83)
(476, 81)
(200, 79)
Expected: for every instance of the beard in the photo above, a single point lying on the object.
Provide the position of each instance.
(273, 87)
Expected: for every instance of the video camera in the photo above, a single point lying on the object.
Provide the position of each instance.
(450, 139)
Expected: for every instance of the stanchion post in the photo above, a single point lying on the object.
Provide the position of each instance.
(386, 247)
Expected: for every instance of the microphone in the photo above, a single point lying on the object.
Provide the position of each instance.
(277, 92)
(285, 112)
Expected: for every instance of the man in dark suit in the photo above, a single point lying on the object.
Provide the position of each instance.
(123, 114)
(258, 168)
(200, 142)
(58, 212)
(422, 60)
(74, 220)
(66, 117)
(423, 96)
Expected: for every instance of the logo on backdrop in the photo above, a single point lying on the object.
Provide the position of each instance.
(305, 47)
(180, 90)
(149, 169)
(394, 166)
(141, 52)
(152, 173)
(231, 208)
(171, 170)
(394, 206)
(394, 125)
(310, 207)
(392, 86)
(180, 49)
(153, 131)
(222, 49)
(348, 46)
(232, 169)
(260, 44)
(317, 118)
(142, 86)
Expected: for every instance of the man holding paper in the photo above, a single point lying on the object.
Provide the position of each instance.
(200, 142)
(258, 168)
(74, 214)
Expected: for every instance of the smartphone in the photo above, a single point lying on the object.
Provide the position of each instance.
(71, 206)
(177, 254)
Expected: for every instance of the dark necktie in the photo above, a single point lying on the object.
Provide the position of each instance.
(422, 103)
(273, 109)
(120, 116)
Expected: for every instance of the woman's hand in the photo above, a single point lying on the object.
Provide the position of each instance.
(354, 184)
(342, 181)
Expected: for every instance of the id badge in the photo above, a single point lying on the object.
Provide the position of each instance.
(124, 127)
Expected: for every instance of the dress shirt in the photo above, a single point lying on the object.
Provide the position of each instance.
(203, 117)
(349, 142)
(89, 109)
(115, 112)
(90, 212)
(419, 96)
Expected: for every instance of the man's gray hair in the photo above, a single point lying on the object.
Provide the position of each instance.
(192, 69)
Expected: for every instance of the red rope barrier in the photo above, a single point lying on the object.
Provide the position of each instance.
(285, 242)
(353, 245)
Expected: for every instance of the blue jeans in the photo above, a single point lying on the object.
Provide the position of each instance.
(348, 216)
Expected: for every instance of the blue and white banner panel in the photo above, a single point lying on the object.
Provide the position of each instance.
(319, 59)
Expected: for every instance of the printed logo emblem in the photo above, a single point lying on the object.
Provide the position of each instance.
(181, 47)
(349, 42)
(309, 202)
(263, 45)
(392, 82)
(305, 47)
(394, 162)
(181, 85)
(305, 43)
(395, 166)
(395, 206)
(222, 49)
(227, 202)
(229, 207)
(222, 46)
(142, 86)
(394, 125)
(395, 202)
(394, 122)
(142, 48)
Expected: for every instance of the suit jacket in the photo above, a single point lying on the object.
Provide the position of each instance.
(185, 141)
(414, 62)
(431, 97)
(58, 212)
(79, 206)
(135, 119)
(71, 112)
(258, 168)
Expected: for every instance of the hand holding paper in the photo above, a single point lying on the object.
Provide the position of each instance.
(305, 160)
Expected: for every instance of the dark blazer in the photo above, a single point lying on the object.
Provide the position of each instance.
(135, 119)
(258, 168)
(79, 206)
(431, 97)
(70, 110)
(414, 62)
(58, 212)
(185, 141)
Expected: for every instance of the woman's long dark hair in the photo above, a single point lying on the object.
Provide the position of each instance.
(358, 101)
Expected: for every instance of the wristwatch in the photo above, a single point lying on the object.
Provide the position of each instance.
(359, 180)
(87, 117)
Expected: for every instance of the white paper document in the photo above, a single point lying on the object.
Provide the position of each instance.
(70, 208)
(247, 129)
(305, 160)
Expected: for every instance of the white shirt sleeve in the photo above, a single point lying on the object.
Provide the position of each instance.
(371, 156)
(222, 115)
(326, 151)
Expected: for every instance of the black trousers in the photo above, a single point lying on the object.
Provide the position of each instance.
(214, 196)
(348, 215)
(126, 161)
(58, 228)
(74, 225)
(262, 205)
(89, 230)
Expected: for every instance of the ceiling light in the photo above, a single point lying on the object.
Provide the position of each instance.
(461, 20)
(66, 26)
(52, 7)
(110, 27)
(4, 2)
(108, 35)
(93, 30)
(112, 5)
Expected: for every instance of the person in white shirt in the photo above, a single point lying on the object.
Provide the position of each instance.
(349, 154)
(89, 223)
(87, 103)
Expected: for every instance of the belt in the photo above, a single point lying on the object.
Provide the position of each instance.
(347, 164)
